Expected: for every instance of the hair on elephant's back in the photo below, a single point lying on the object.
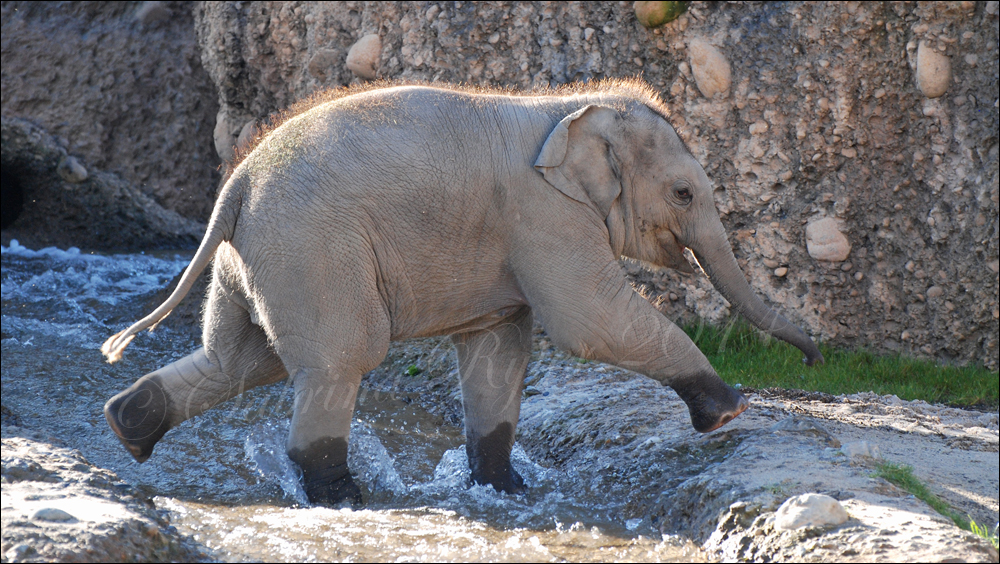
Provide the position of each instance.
(629, 88)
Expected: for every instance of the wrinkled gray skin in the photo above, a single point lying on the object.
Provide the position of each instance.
(413, 211)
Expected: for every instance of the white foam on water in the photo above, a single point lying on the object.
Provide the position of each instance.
(66, 293)
(367, 458)
(450, 489)
(371, 463)
(265, 453)
(76, 277)
(83, 335)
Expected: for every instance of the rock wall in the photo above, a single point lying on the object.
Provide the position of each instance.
(853, 145)
(51, 198)
(121, 86)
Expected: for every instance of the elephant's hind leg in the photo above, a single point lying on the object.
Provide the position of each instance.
(326, 380)
(238, 358)
(492, 363)
(328, 340)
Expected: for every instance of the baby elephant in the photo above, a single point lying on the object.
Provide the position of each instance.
(412, 211)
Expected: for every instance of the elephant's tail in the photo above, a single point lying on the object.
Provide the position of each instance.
(220, 228)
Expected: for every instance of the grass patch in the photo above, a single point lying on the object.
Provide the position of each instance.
(983, 531)
(902, 476)
(743, 355)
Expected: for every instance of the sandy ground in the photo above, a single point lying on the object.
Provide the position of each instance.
(800, 446)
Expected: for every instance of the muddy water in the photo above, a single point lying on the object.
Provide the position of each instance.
(224, 478)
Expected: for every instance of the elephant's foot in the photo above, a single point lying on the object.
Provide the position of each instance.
(711, 402)
(333, 492)
(325, 476)
(139, 417)
(504, 479)
(489, 460)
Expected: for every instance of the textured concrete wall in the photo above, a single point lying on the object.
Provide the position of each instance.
(821, 128)
(121, 86)
(853, 145)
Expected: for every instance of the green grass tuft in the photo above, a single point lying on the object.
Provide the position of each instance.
(902, 476)
(983, 531)
(743, 355)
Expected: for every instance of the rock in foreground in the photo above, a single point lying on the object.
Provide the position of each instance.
(57, 507)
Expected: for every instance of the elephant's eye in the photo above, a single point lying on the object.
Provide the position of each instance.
(684, 195)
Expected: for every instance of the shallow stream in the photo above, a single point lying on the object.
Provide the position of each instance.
(224, 477)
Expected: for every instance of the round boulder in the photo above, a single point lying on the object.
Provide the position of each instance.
(933, 71)
(825, 242)
(71, 170)
(655, 14)
(710, 68)
(809, 510)
(363, 58)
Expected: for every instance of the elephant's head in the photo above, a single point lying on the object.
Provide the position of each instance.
(631, 167)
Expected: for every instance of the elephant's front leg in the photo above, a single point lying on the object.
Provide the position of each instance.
(491, 363)
(600, 317)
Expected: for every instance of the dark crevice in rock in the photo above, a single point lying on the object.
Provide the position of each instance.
(66, 205)
(11, 196)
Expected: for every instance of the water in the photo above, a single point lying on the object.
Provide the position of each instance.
(224, 476)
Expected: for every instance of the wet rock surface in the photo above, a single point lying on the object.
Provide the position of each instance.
(57, 507)
(624, 434)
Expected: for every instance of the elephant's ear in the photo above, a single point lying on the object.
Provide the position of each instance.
(578, 158)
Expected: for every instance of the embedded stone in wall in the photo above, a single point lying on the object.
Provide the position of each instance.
(151, 12)
(710, 68)
(323, 63)
(363, 58)
(655, 14)
(225, 139)
(247, 134)
(825, 242)
(71, 170)
(933, 71)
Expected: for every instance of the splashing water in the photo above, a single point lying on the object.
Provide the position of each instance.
(224, 476)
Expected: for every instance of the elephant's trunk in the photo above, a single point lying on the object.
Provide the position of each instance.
(716, 258)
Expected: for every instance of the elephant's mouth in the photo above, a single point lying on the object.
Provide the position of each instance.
(672, 253)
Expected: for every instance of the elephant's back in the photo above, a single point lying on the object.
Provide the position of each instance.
(411, 157)
(365, 146)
